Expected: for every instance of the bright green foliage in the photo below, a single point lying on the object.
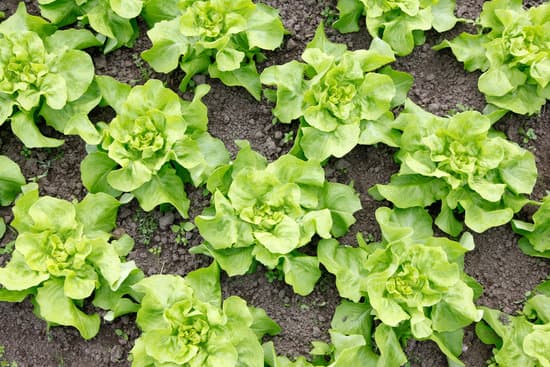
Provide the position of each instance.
(512, 50)
(267, 211)
(401, 23)
(273, 360)
(519, 340)
(113, 19)
(11, 180)
(184, 323)
(155, 143)
(462, 162)
(63, 254)
(43, 72)
(412, 280)
(223, 37)
(338, 98)
(353, 343)
(536, 235)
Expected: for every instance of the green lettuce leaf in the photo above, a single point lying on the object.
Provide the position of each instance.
(536, 235)
(113, 19)
(520, 340)
(11, 180)
(400, 23)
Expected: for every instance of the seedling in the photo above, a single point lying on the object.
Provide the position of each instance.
(146, 226)
(274, 274)
(330, 15)
(122, 334)
(527, 135)
(288, 137)
(180, 230)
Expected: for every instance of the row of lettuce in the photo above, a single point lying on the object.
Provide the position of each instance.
(412, 283)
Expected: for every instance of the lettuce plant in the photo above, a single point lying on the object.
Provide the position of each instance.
(113, 19)
(185, 323)
(268, 211)
(43, 72)
(339, 99)
(64, 255)
(462, 162)
(536, 235)
(522, 340)
(155, 143)
(413, 281)
(401, 23)
(511, 49)
(352, 342)
(223, 37)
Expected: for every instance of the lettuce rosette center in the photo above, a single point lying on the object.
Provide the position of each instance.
(24, 62)
(25, 69)
(405, 283)
(64, 257)
(208, 20)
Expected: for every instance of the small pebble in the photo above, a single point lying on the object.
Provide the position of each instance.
(166, 220)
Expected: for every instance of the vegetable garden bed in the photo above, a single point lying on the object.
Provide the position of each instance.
(163, 238)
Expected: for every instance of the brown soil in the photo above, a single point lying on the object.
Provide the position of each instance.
(440, 84)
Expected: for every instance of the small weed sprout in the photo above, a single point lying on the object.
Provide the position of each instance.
(288, 137)
(180, 231)
(330, 15)
(122, 334)
(146, 226)
(8, 249)
(274, 274)
(527, 135)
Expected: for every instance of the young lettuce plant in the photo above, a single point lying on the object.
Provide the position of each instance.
(223, 37)
(339, 99)
(113, 19)
(536, 235)
(44, 72)
(64, 255)
(462, 162)
(522, 340)
(511, 49)
(352, 342)
(401, 23)
(155, 144)
(268, 211)
(413, 281)
(184, 323)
